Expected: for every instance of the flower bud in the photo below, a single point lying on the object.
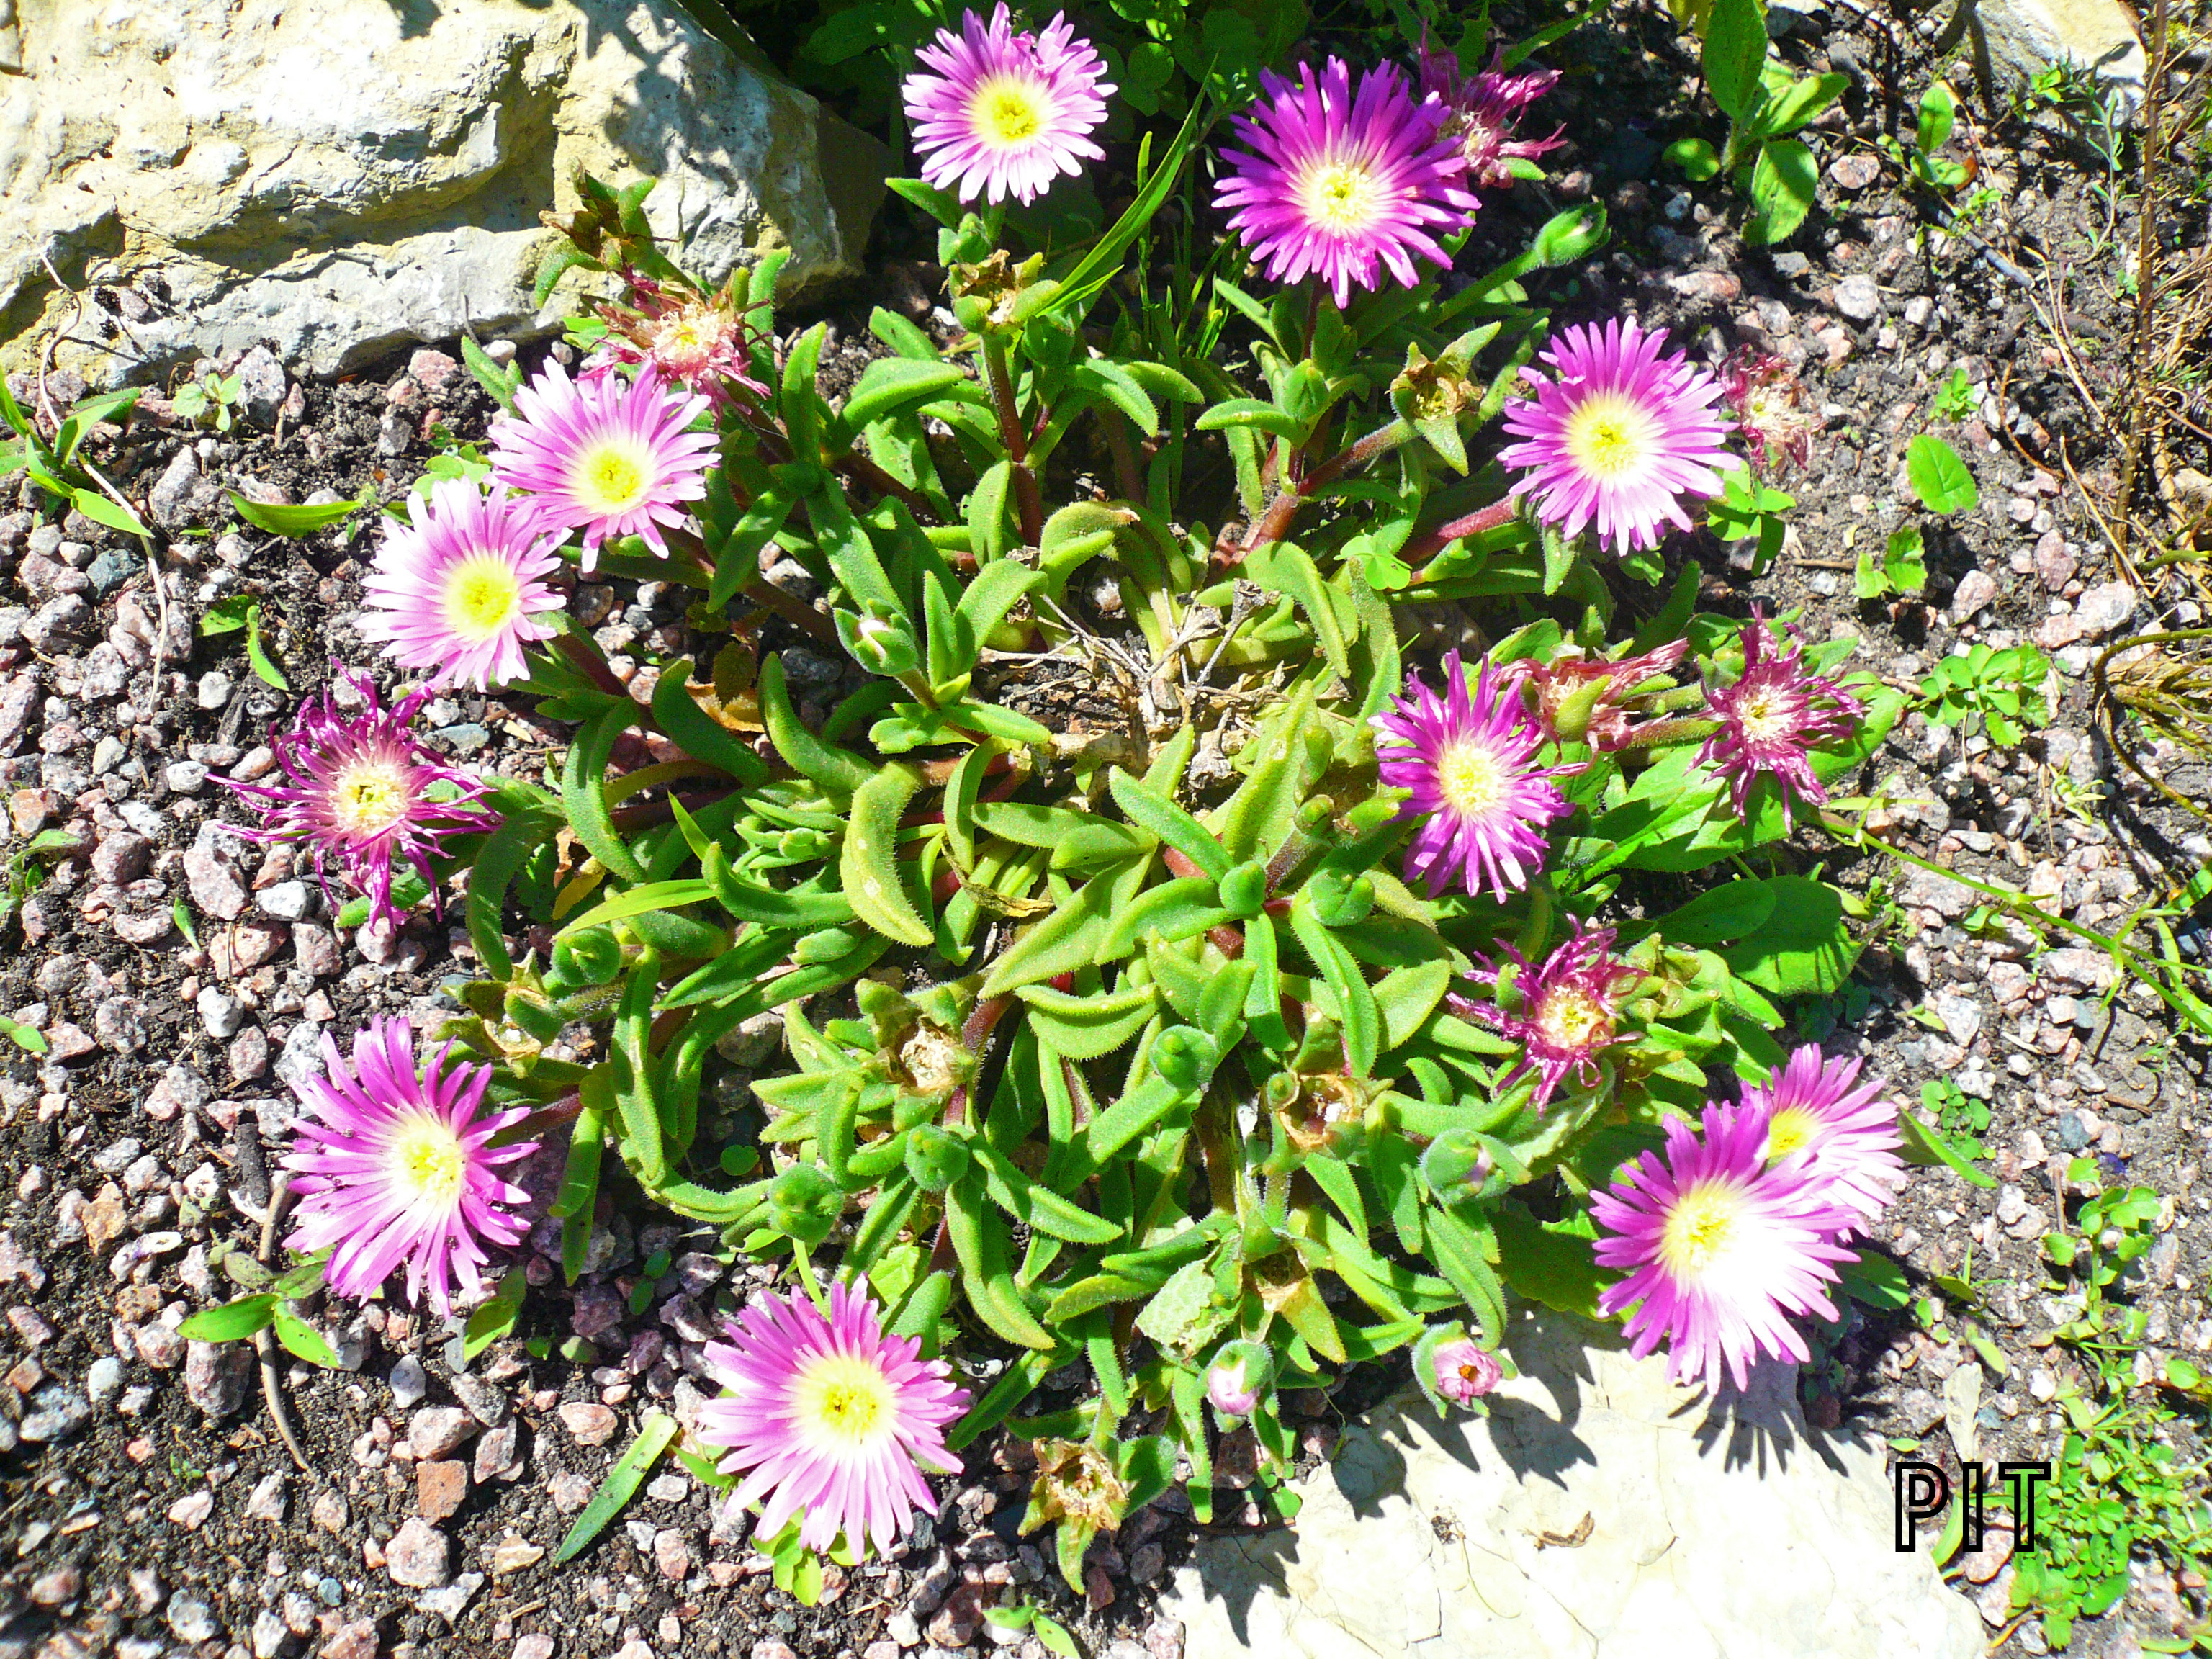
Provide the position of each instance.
(1243, 890)
(1185, 1057)
(804, 1204)
(1236, 1379)
(1465, 1372)
(590, 957)
(935, 1158)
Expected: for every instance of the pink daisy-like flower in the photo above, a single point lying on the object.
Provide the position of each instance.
(1620, 437)
(1561, 692)
(1772, 408)
(1480, 803)
(1567, 1007)
(395, 1167)
(697, 343)
(604, 455)
(1821, 1120)
(459, 587)
(1774, 714)
(1466, 1371)
(1005, 113)
(1484, 109)
(831, 1416)
(1720, 1248)
(358, 794)
(1343, 186)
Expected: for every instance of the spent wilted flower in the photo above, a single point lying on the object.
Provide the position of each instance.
(831, 1416)
(1465, 1371)
(1772, 406)
(1620, 435)
(698, 343)
(394, 1167)
(460, 589)
(1484, 109)
(1577, 699)
(1006, 112)
(604, 455)
(1772, 717)
(1566, 1009)
(1720, 1248)
(1481, 801)
(1343, 186)
(361, 792)
(1821, 1120)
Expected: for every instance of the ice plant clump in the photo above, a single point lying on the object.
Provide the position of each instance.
(358, 794)
(1620, 437)
(1719, 1248)
(1771, 719)
(697, 343)
(1821, 1120)
(1770, 405)
(394, 1168)
(1565, 1019)
(1466, 1371)
(1005, 113)
(831, 1416)
(1480, 802)
(602, 455)
(1577, 699)
(1484, 109)
(460, 589)
(1339, 185)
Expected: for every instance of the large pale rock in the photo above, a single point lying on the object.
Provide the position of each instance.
(338, 177)
(1727, 1533)
(2016, 40)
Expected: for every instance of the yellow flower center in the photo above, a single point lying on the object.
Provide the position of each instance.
(482, 596)
(428, 1161)
(1345, 197)
(1571, 1019)
(611, 475)
(1792, 1129)
(370, 796)
(1701, 1230)
(1007, 111)
(1610, 436)
(1763, 718)
(1470, 780)
(842, 1402)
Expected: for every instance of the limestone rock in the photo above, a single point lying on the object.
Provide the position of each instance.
(2016, 40)
(334, 178)
(1712, 1529)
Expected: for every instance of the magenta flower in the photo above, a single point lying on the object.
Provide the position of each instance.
(1619, 437)
(362, 793)
(1484, 109)
(1822, 1122)
(1769, 402)
(1566, 1011)
(1720, 1248)
(1341, 185)
(831, 1416)
(1229, 1386)
(1771, 718)
(1466, 1371)
(699, 344)
(1480, 803)
(1005, 113)
(395, 1167)
(1577, 699)
(604, 455)
(460, 589)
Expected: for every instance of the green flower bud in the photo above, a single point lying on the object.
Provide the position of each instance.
(590, 957)
(1185, 1057)
(1243, 890)
(804, 1204)
(1339, 900)
(934, 1158)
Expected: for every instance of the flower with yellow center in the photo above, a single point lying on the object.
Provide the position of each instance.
(1567, 1009)
(483, 596)
(997, 111)
(369, 796)
(1610, 437)
(1824, 1121)
(461, 588)
(428, 1160)
(1717, 1249)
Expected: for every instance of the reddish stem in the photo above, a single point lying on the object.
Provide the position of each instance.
(1423, 548)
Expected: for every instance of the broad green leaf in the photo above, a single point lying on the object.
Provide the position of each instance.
(301, 1339)
(1735, 909)
(1803, 100)
(1735, 52)
(1548, 1263)
(1939, 477)
(1804, 948)
(621, 1485)
(96, 505)
(231, 1321)
(1784, 182)
(1925, 1147)
(290, 521)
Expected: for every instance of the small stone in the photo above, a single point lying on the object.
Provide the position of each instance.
(1859, 298)
(355, 1640)
(485, 1402)
(418, 1558)
(193, 1508)
(185, 777)
(572, 1491)
(513, 1554)
(588, 1423)
(436, 1430)
(191, 1619)
(267, 1502)
(534, 1647)
(1976, 590)
(1855, 170)
(215, 1377)
(671, 1554)
(215, 888)
(498, 1455)
(450, 1602)
(330, 1512)
(2105, 607)
(440, 1488)
(409, 1382)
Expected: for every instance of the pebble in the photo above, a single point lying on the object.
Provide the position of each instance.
(193, 1508)
(534, 1647)
(436, 1430)
(1859, 298)
(1976, 591)
(513, 1554)
(215, 886)
(355, 1640)
(215, 1377)
(103, 1379)
(2105, 607)
(452, 1602)
(1855, 170)
(267, 1501)
(409, 1382)
(485, 1402)
(330, 1512)
(191, 1619)
(440, 1488)
(185, 777)
(588, 1423)
(418, 1556)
